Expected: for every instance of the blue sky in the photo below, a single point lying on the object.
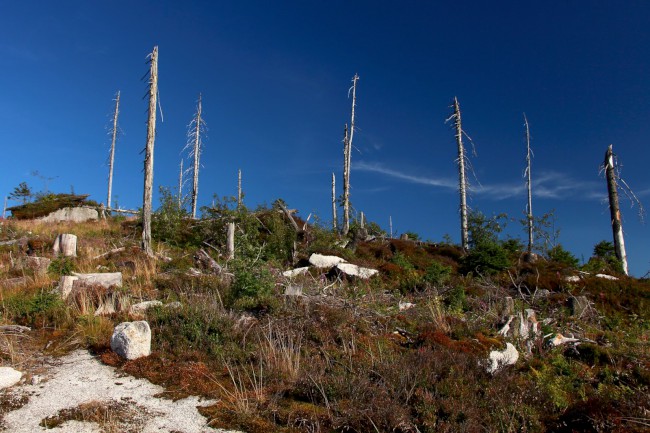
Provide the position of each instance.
(275, 76)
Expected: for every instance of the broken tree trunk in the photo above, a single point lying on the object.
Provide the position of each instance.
(614, 209)
(4, 209)
(290, 218)
(348, 158)
(239, 193)
(205, 262)
(390, 226)
(112, 154)
(334, 202)
(231, 241)
(148, 159)
(462, 179)
(65, 244)
(529, 210)
(180, 186)
(346, 181)
(197, 154)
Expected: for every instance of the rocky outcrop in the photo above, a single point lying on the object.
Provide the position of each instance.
(132, 340)
(356, 271)
(72, 214)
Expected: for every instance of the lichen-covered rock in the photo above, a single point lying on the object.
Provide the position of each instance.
(499, 359)
(142, 307)
(132, 340)
(356, 271)
(9, 377)
(295, 272)
(321, 261)
(73, 214)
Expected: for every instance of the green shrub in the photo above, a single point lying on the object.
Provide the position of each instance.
(560, 255)
(252, 289)
(61, 266)
(40, 309)
(437, 274)
(486, 258)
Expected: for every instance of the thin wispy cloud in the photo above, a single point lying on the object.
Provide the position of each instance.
(551, 185)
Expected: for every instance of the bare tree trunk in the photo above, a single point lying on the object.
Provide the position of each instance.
(614, 209)
(462, 179)
(4, 209)
(334, 222)
(529, 186)
(362, 224)
(390, 226)
(346, 181)
(239, 194)
(231, 241)
(348, 159)
(197, 155)
(180, 186)
(148, 159)
(112, 155)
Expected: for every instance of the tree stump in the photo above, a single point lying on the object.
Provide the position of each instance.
(66, 244)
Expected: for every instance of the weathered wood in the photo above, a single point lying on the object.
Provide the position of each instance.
(290, 217)
(529, 183)
(112, 154)
(239, 191)
(462, 179)
(204, 261)
(65, 244)
(197, 155)
(614, 209)
(231, 241)
(334, 222)
(14, 329)
(22, 240)
(108, 253)
(149, 153)
(346, 181)
(180, 186)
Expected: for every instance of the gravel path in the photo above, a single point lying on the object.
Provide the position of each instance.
(79, 394)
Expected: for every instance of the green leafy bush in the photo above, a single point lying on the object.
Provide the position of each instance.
(61, 266)
(560, 255)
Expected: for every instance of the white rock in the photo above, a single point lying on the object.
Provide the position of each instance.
(499, 359)
(572, 279)
(356, 271)
(141, 307)
(174, 305)
(607, 277)
(293, 290)
(74, 214)
(132, 340)
(295, 272)
(405, 305)
(9, 377)
(104, 279)
(321, 261)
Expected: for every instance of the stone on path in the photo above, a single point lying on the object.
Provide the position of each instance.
(9, 377)
(132, 340)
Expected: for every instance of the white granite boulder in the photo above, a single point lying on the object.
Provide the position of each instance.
(132, 340)
(356, 271)
(499, 359)
(321, 261)
(295, 272)
(9, 377)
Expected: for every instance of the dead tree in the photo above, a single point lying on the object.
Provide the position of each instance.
(462, 178)
(4, 210)
(390, 226)
(614, 209)
(346, 181)
(334, 222)
(529, 208)
(148, 159)
(194, 142)
(111, 159)
(348, 157)
(239, 193)
(231, 241)
(180, 186)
